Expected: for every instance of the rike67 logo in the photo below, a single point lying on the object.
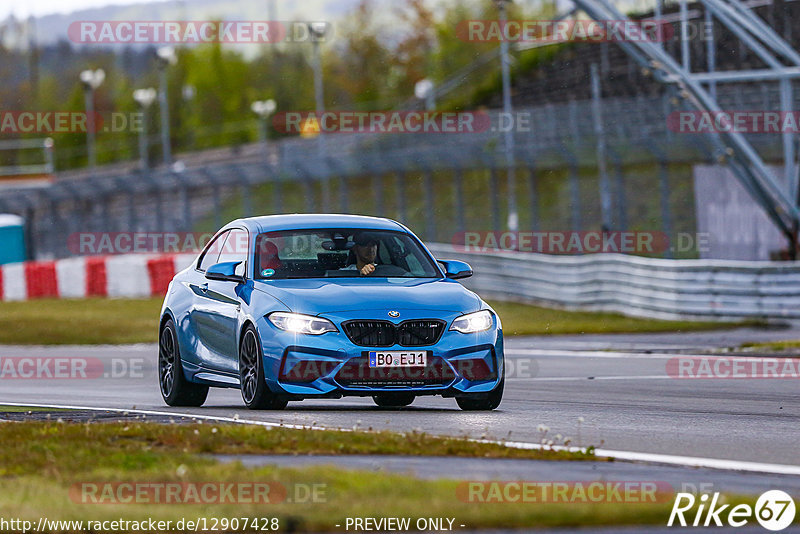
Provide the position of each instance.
(774, 510)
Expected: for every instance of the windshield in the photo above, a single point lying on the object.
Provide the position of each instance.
(340, 253)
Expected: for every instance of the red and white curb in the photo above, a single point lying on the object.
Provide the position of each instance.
(130, 275)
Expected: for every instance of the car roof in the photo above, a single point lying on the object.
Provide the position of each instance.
(302, 221)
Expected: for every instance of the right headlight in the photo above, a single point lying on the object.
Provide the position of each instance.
(473, 322)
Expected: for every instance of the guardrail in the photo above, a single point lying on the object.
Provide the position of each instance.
(636, 286)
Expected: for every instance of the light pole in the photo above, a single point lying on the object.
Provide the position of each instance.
(145, 98)
(188, 93)
(317, 31)
(165, 56)
(423, 90)
(513, 216)
(263, 108)
(91, 80)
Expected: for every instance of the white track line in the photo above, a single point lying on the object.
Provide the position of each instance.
(649, 377)
(668, 459)
(217, 418)
(582, 378)
(562, 353)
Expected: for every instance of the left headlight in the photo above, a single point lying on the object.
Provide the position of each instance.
(301, 324)
(473, 322)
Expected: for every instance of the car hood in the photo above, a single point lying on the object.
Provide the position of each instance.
(315, 296)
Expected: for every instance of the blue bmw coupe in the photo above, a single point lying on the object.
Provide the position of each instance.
(292, 307)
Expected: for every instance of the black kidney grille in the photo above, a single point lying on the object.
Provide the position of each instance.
(370, 333)
(413, 333)
(419, 333)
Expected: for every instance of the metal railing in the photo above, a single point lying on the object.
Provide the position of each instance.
(636, 286)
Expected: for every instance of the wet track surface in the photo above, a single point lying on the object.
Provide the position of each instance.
(626, 398)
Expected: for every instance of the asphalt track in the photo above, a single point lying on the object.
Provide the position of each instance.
(612, 392)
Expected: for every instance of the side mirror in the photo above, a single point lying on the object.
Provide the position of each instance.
(225, 272)
(455, 270)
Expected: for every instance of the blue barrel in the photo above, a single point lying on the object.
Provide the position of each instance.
(12, 238)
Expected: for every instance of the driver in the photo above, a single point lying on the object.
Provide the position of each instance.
(365, 251)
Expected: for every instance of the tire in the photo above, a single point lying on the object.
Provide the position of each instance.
(486, 402)
(255, 393)
(175, 389)
(393, 400)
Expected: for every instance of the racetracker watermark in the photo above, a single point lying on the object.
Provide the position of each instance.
(472, 368)
(560, 31)
(572, 242)
(738, 121)
(50, 122)
(732, 367)
(196, 493)
(94, 243)
(69, 368)
(565, 492)
(329, 122)
(196, 32)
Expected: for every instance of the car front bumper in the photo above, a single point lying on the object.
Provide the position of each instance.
(331, 365)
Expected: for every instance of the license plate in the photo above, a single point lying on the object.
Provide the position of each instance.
(398, 358)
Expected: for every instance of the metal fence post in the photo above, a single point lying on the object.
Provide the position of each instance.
(666, 217)
(574, 185)
(605, 189)
(186, 204)
(619, 183)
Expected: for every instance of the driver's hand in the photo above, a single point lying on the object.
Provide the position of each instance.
(367, 269)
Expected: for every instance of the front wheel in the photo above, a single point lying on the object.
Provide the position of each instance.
(483, 403)
(176, 390)
(255, 393)
(393, 400)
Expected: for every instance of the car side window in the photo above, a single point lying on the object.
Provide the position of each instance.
(212, 252)
(235, 248)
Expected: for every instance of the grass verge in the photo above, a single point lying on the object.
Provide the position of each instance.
(36, 447)
(23, 409)
(115, 321)
(94, 321)
(524, 319)
(46, 468)
(789, 347)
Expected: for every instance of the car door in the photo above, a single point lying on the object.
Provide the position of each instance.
(217, 305)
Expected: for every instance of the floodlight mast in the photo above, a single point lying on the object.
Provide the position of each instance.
(91, 80)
